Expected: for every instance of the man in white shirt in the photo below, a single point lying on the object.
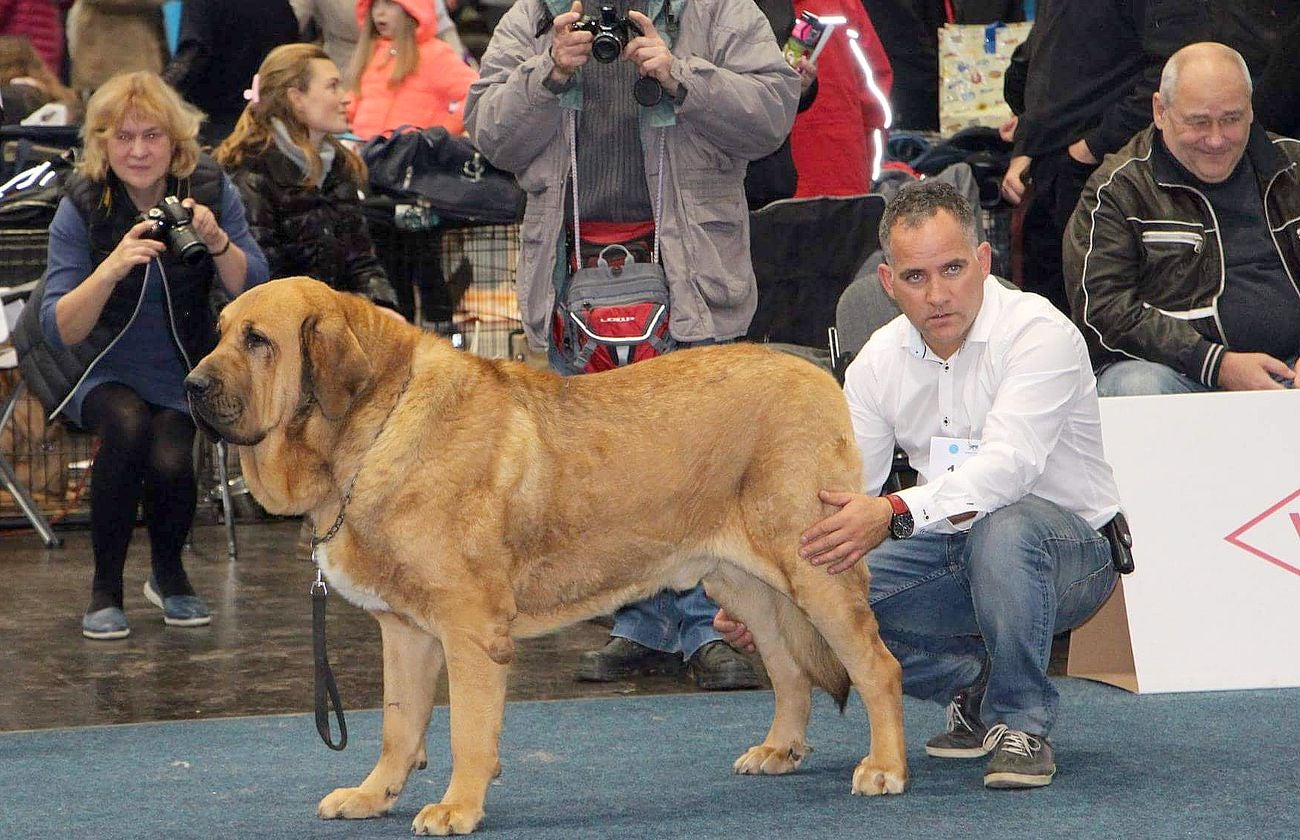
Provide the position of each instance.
(990, 393)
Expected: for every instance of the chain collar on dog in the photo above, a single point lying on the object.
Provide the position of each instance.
(347, 492)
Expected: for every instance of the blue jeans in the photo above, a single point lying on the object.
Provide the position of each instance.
(675, 622)
(1136, 378)
(1005, 587)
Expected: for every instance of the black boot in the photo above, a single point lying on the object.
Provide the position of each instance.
(622, 658)
(719, 667)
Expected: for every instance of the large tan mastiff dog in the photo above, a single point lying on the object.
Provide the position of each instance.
(491, 502)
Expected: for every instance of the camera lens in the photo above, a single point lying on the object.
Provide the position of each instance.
(187, 245)
(605, 47)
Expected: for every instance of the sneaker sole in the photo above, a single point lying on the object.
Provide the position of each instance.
(956, 752)
(187, 622)
(726, 683)
(614, 674)
(1017, 781)
(106, 635)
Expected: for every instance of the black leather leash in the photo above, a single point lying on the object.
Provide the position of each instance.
(327, 690)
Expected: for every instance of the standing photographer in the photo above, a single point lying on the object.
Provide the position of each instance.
(687, 91)
(125, 314)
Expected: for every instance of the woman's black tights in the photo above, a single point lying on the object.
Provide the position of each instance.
(145, 454)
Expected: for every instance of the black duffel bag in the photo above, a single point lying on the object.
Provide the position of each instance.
(447, 171)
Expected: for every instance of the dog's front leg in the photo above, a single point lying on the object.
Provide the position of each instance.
(412, 660)
(477, 686)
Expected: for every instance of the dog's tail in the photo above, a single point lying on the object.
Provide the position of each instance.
(812, 652)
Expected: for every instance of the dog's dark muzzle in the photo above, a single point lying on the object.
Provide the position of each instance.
(214, 414)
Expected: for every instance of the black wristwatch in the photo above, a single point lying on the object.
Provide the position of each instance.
(901, 524)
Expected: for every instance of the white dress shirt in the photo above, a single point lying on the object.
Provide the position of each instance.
(1021, 385)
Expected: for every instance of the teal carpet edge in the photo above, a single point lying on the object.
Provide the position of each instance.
(1205, 765)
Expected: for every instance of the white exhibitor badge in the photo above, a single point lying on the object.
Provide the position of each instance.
(947, 454)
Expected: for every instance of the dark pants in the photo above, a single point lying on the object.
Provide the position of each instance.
(1058, 181)
(145, 455)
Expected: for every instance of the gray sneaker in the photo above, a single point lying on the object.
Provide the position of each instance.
(178, 610)
(105, 624)
(1020, 760)
(964, 737)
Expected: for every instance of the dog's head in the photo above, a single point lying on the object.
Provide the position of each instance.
(287, 370)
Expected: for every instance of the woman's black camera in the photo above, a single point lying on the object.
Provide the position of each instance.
(172, 224)
(611, 34)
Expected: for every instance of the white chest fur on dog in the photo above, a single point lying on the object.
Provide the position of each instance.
(357, 596)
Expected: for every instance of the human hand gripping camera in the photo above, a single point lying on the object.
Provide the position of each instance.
(187, 228)
(608, 38)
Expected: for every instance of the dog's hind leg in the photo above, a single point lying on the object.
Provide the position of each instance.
(412, 660)
(846, 623)
(760, 608)
(478, 692)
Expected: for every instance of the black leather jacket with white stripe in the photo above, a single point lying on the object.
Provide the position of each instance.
(1143, 257)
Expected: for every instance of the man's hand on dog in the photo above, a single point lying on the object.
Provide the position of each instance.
(733, 632)
(844, 537)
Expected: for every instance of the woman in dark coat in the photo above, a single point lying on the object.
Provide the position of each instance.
(300, 184)
(124, 315)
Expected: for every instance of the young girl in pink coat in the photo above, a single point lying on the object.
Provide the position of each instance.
(404, 75)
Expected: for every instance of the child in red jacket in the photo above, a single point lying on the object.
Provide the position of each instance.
(404, 75)
(837, 142)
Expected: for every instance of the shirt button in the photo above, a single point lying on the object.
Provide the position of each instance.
(945, 421)
(945, 367)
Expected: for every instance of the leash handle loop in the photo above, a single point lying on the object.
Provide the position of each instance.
(327, 691)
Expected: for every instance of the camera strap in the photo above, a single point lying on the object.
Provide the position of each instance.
(573, 176)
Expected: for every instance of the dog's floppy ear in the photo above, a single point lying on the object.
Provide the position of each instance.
(334, 367)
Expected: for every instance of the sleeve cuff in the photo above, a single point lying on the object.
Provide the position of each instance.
(557, 88)
(1212, 360)
(918, 500)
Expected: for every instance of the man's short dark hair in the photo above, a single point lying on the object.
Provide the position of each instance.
(919, 201)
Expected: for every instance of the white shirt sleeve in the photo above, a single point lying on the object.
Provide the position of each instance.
(1041, 377)
(874, 434)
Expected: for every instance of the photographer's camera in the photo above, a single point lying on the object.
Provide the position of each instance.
(172, 224)
(611, 34)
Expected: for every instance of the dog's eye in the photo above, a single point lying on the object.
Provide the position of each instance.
(255, 340)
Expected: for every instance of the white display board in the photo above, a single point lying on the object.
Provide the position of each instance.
(1211, 486)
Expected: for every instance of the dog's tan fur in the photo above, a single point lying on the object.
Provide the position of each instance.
(494, 502)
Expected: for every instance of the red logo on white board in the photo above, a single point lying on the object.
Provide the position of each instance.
(1274, 535)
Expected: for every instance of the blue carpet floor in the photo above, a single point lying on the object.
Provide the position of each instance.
(1221, 765)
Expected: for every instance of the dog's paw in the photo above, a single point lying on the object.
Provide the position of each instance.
(353, 804)
(872, 779)
(443, 819)
(771, 761)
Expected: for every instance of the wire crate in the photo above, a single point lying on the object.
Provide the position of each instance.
(50, 459)
(457, 281)
(22, 255)
(487, 313)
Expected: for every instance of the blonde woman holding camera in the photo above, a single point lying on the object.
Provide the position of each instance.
(146, 225)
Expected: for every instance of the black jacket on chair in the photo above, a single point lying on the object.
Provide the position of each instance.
(304, 230)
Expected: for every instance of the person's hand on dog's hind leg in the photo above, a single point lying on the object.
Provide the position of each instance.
(734, 633)
(845, 537)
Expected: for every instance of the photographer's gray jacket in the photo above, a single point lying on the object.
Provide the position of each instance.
(740, 101)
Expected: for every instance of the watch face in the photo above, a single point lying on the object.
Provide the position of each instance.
(900, 526)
